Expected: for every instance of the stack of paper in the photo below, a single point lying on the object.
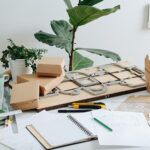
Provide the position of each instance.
(129, 128)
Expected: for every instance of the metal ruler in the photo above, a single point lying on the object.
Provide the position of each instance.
(8, 109)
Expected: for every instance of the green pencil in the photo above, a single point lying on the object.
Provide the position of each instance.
(104, 125)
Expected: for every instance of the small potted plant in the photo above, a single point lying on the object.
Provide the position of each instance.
(20, 59)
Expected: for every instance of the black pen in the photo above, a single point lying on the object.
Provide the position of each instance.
(73, 111)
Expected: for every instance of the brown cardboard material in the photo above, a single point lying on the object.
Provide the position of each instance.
(137, 102)
(12, 84)
(25, 96)
(50, 66)
(147, 72)
(46, 83)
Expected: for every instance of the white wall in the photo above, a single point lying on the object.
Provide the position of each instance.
(124, 32)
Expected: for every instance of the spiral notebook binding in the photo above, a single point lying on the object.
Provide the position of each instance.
(86, 131)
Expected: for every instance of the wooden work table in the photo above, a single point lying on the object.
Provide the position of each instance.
(111, 103)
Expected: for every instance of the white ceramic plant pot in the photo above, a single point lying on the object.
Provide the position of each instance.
(18, 67)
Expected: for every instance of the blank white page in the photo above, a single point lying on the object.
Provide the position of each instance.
(129, 128)
(57, 130)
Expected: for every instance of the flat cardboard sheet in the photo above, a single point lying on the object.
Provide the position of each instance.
(139, 103)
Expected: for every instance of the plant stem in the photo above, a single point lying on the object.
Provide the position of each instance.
(72, 49)
(79, 2)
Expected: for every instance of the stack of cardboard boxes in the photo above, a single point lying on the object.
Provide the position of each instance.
(49, 74)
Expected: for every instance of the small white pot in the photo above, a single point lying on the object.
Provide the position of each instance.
(18, 67)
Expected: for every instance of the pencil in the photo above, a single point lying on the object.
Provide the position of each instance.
(104, 125)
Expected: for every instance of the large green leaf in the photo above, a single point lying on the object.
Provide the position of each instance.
(80, 61)
(62, 29)
(89, 2)
(81, 14)
(63, 37)
(106, 53)
(2, 111)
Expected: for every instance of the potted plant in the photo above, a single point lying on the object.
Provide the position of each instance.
(20, 59)
(64, 32)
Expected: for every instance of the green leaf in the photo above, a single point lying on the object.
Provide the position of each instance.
(1, 111)
(62, 29)
(68, 3)
(105, 53)
(81, 15)
(80, 61)
(62, 38)
(89, 2)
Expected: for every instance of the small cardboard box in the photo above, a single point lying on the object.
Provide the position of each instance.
(46, 83)
(50, 66)
(25, 96)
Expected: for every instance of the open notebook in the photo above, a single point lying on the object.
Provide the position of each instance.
(54, 131)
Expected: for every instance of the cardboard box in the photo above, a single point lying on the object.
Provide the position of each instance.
(50, 66)
(46, 83)
(147, 72)
(25, 96)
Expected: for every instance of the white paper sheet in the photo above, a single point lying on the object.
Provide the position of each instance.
(129, 128)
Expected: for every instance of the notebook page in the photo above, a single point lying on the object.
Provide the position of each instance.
(129, 128)
(57, 130)
(86, 119)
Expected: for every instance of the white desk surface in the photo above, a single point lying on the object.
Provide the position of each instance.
(93, 145)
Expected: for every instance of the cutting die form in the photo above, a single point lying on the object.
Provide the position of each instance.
(95, 83)
(85, 81)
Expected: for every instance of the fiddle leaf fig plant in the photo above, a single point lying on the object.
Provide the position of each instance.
(64, 32)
